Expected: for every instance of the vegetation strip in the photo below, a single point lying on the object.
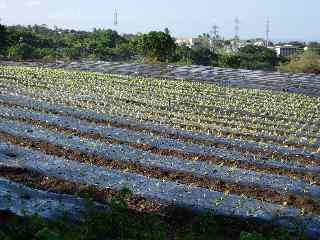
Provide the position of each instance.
(185, 137)
(264, 194)
(93, 133)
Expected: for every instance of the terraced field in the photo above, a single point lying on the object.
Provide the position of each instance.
(250, 154)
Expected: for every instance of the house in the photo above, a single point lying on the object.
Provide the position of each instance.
(285, 50)
(190, 42)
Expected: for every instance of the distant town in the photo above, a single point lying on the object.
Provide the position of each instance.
(282, 49)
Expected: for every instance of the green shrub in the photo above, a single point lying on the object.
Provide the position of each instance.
(251, 236)
(123, 223)
(308, 62)
(23, 51)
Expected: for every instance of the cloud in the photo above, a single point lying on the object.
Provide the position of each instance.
(33, 3)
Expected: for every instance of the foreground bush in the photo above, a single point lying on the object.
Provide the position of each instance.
(123, 223)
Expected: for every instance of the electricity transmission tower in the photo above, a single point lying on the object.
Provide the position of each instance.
(236, 34)
(236, 28)
(116, 18)
(267, 32)
(215, 32)
(214, 36)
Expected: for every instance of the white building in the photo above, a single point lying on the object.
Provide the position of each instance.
(190, 42)
(286, 50)
(260, 43)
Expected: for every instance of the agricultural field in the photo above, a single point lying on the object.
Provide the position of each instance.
(239, 153)
(307, 84)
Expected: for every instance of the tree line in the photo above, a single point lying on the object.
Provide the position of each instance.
(39, 42)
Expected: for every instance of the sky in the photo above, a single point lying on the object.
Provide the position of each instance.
(289, 19)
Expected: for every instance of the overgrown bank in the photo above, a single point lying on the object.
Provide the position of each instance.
(123, 223)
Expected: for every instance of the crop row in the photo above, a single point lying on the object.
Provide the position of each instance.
(181, 121)
(101, 84)
(148, 130)
(165, 146)
(127, 154)
(105, 88)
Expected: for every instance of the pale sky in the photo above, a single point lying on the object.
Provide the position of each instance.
(290, 19)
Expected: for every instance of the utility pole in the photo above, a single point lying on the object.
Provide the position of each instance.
(267, 32)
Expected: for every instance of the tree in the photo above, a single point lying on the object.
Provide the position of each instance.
(203, 56)
(229, 60)
(257, 58)
(23, 51)
(3, 39)
(314, 46)
(204, 40)
(106, 38)
(158, 46)
(74, 52)
(308, 62)
(183, 54)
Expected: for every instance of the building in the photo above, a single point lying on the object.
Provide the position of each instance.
(190, 42)
(260, 43)
(285, 50)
